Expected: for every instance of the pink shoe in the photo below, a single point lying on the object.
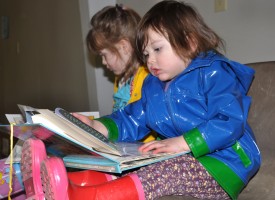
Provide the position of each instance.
(33, 153)
(54, 179)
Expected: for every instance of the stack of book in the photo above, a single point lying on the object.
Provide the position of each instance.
(80, 145)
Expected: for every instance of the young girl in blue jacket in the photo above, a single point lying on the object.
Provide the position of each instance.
(195, 99)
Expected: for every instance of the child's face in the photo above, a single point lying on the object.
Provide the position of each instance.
(113, 61)
(162, 60)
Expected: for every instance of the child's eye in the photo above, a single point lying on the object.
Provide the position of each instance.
(102, 54)
(145, 55)
(157, 49)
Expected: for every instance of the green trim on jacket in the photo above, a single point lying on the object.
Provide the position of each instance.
(228, 179)
(111, 127)
(196, 142)
(243, 156)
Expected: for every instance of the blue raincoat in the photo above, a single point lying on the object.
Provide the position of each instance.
(208, 105)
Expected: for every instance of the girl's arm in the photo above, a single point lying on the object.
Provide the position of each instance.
(93, 123)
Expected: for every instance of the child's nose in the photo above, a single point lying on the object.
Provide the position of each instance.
(150, 60)
(104, 62)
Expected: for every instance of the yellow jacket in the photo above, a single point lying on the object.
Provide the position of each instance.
(136, 84)
(136, 91)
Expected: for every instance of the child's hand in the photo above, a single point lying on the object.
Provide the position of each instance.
(83, 118)
(92, 123)
(170, 145)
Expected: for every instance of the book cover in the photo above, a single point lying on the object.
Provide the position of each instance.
(81, 146)
(56, 144)
(115, 165)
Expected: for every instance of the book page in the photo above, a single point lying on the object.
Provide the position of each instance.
(15, 118)
(25, 112)
(56, 123)
(115, 163)
(77, 123)
(129, 158)
(55, 144)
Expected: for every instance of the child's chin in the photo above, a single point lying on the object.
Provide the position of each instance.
(163, 78)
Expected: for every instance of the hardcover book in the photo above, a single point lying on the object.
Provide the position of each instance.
(80, 145)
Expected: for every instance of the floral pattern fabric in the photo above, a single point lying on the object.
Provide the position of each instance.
(182, 175)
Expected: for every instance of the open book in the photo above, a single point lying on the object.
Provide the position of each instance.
(80, 145)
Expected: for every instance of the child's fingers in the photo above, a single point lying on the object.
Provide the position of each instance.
(153, 146)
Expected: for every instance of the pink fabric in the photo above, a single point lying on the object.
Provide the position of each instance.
(109, 177)
(139, 187)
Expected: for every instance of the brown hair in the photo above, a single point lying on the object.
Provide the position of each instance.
(109, 26)
(182, 26)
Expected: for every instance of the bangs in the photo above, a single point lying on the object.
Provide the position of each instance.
(142, 36)
(96, 41)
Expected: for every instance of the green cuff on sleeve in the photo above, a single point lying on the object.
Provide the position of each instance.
(111, 127)
(196, 143)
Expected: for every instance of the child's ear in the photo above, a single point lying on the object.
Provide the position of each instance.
(193, 43)
(126, 46)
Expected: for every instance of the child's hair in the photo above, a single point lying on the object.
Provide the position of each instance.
(182, 26)
(109, 26)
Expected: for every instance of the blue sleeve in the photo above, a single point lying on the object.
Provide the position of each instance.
(131, 121)
(227, 107)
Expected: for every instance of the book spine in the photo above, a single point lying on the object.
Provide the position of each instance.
(113, 169)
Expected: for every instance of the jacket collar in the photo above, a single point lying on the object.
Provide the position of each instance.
(205, 60)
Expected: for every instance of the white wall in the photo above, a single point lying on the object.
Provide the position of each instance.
(104, 92)
(247, 27)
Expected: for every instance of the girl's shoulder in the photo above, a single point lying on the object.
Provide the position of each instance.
(142, 71)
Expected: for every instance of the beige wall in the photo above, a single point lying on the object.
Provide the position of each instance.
(42, 62)
(247, 26)
(103, 77)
